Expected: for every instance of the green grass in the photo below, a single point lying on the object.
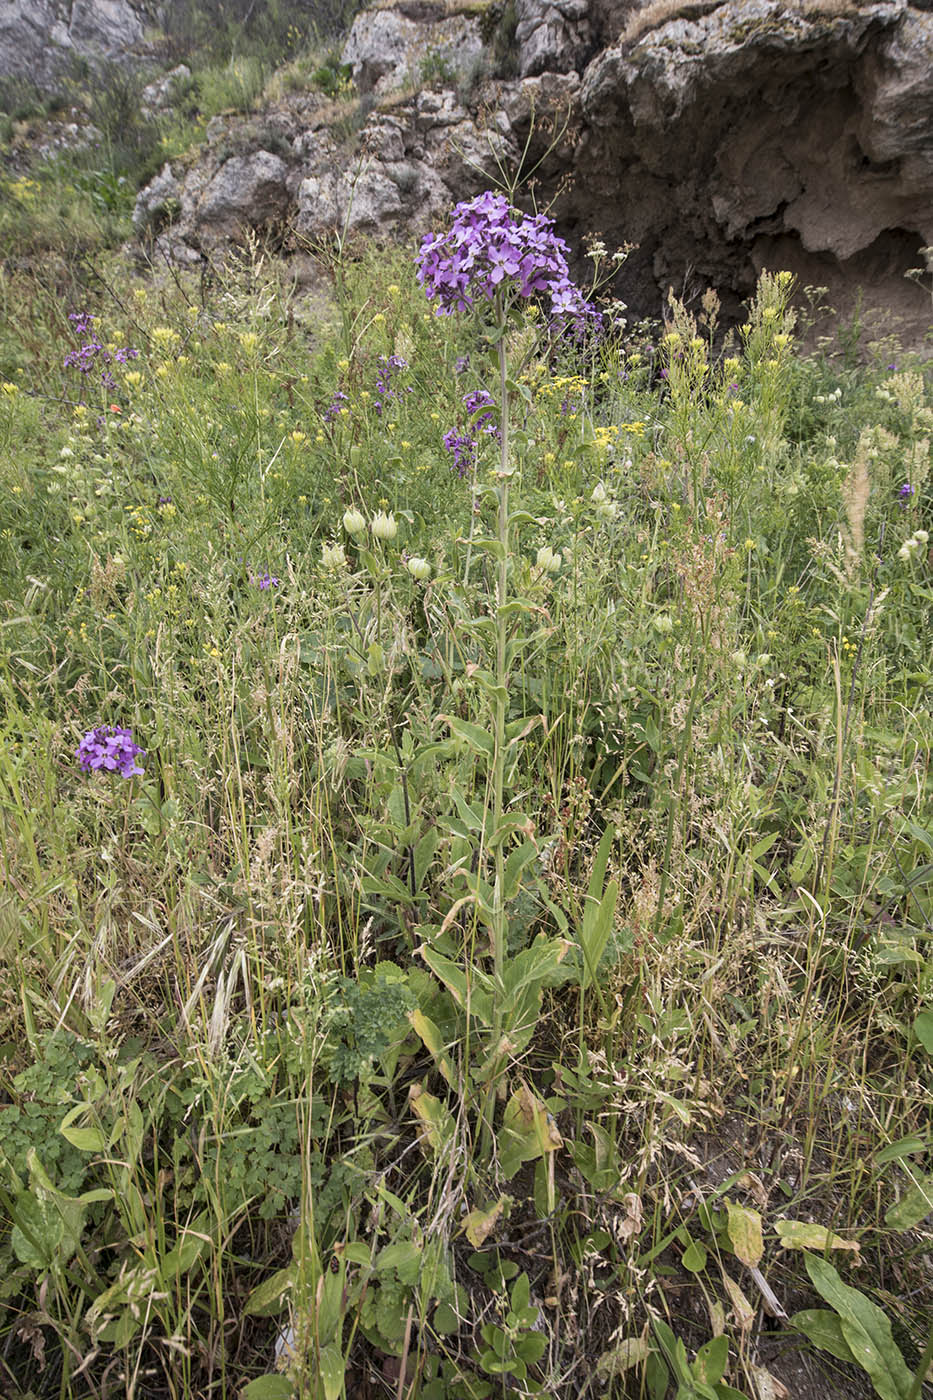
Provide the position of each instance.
(251, 1087)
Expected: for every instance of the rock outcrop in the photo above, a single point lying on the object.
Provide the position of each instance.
(40, 39)
(719, 138)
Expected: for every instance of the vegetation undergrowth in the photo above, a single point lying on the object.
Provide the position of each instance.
(510, 973)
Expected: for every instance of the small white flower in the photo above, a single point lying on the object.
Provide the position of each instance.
(65, 453)
(921, 535)
(663, 624)
(905, 550)
(354, 522)
(384, 526)
(604, 507)
(739, 659)
(419, 568)
(548, 560)
(333, 556)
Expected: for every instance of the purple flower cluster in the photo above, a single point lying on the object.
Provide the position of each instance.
(111, 748)
(333, 409)
(462, 448)
(462, 364)
(93, 352)
(389, 367)
(267, 580)
(904, 494)
(480, 407)
(490, 246)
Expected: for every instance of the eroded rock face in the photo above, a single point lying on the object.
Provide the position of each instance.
(709, 136)
(39, 39)
(735, 136)
(387, 47)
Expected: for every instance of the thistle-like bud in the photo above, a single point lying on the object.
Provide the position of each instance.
(548, 560)
(333, 556)
(384, 526)
(354, 521)
(419, 568)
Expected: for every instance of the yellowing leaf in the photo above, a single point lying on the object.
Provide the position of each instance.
(632, 1352)
(742, 1309)
(798, 1234)
(479, 1224)
(744, 1228)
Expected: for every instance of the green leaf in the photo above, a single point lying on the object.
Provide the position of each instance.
(915, 1205)
(84, 1139)
(904, 1147)
(445, 1320)
(694, 1259)
(479, 740)
(923, 1030)
(866, 1329)
(269, 1387)
(268, 1297)
(473, 992)
(517, 860)
(331, 1368)
(709, 1365)
(37, 1231)
(824, 1329)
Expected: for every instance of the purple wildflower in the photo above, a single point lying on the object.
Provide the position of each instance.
(110, 748)
(333, 409)
(904, 494)
(484, 421)
(461, 364)
(267, 580)
(489, 246)
(462, 448)
(389, 367)
(93, 352)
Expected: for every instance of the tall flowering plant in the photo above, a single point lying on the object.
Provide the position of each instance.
(489, 259)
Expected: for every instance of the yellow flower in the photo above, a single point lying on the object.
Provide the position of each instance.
(249, 340)
(134, 378)
(379, 319)
(11, 390)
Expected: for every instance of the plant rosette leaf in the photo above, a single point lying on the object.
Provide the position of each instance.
(866, 1330)
(745, 1236)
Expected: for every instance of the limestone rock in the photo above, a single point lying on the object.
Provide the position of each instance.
(40, 39)
(160, 96)
(552, 36)
(158, 203)
(386, 49)
(246, 192)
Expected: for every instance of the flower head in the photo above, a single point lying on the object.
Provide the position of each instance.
(419, 568)
(354, 521)
(491, 246)
(110, 748)
(333, 556)
(384, 526)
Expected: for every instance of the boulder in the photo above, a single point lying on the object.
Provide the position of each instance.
(387, 49)
(158, 204)
(246, 192)
(161, 95)
(552, 36)
(40, 39)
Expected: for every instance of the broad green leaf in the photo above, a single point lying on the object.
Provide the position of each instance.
(528, 1131)
(268, 1297)
(923, 1030)
(479, 740)
(904, 1147)
(798, 1234)
(824, 1329)
(594, 935)
(470, 993)
(445, 1321)
(84, 1139)
(744, 1230)
(632, 1352)
(37, 1231)
(517, 860)
(331, 1368)
(915, 1205)
(709, 1365)
(866, 1329)
(694, 1259)
(269, 1387)
(433, 1042)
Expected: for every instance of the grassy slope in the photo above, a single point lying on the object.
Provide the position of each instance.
(215, 975)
